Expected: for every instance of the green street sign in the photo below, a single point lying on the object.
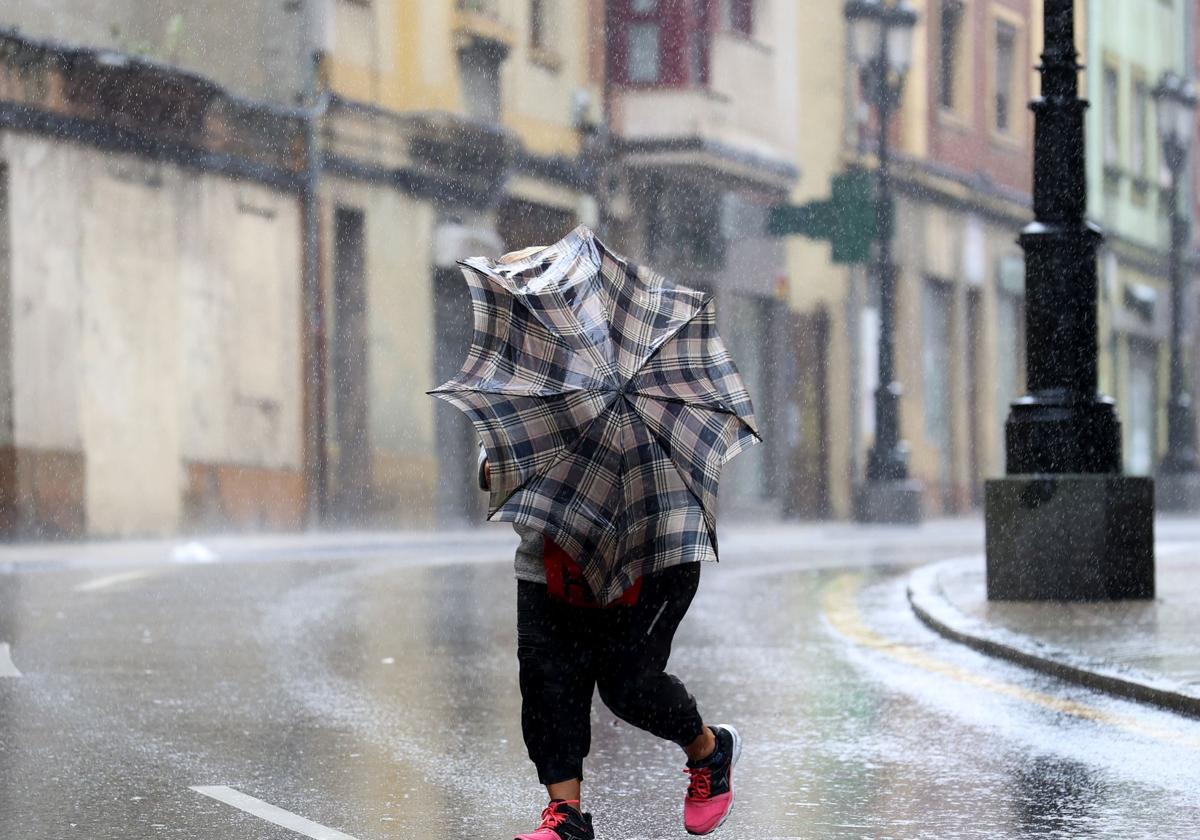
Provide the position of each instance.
(847, 219)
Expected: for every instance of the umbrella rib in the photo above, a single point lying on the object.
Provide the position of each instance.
(703, 406)
(697, 404)
(686, 479)
(654, 350)
(561, 455)
(502, 392)
(587, 351)
(659, 347)
(618, 526)
(488, 275)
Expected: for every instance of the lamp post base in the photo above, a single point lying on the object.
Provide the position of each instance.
(896, 502)
(1177, 492)
(1073, 537)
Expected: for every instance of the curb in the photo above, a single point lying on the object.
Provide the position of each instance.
(932, 607)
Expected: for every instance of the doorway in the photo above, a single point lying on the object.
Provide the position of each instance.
(457, 499)
(352, 469)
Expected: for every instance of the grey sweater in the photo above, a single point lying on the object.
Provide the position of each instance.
(529, 565)
(528, 561)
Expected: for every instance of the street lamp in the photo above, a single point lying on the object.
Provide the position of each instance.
(1175, 106)
(1064, 524)
(881, 37)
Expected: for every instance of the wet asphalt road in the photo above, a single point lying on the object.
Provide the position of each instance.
(376, 695)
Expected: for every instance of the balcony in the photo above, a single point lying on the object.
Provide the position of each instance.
(735, 123)
(482, 21)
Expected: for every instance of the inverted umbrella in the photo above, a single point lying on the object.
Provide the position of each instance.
(607, 404)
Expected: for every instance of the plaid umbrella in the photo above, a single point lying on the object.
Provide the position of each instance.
(607, 404)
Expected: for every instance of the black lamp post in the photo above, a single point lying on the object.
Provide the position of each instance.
(1064, 523)
(881, 35)
(1175, 105)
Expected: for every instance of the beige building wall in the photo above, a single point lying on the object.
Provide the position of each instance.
(963, 249)
(539, 87)
(815, 282)
(155, 329)
(240, 306)
(398, 275)
(129, 351)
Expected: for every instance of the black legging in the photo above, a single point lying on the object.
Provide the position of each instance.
(565, 651)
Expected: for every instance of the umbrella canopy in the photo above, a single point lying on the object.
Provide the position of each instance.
(607, 404)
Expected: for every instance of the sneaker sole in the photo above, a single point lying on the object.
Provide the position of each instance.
(737, 753)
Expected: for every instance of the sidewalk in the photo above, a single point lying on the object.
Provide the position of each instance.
(264, 547)
(1141, 650)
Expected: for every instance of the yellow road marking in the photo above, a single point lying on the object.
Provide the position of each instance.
(841, 609)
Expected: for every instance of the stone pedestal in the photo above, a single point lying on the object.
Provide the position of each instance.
(1075, 537)
(1177, 492)
(888, 502)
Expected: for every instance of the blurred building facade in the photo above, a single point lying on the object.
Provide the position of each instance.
(257, 49)
(962, 141)
(702, 100)
(453, 129)
(149, 299)
(1191, 329)
(964, 138)
(436, 131)
(1129, 47)
(964, 193)
(227, 269)
(823, 294)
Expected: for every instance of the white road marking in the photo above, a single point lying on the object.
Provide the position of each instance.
(193, 552)
(270, 813)
(7, 668)
(111, 580)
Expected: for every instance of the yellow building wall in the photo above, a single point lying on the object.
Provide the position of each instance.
(401, 55)
(815, 282)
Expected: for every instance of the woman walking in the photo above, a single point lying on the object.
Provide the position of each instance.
(566, 650)
(606, 404)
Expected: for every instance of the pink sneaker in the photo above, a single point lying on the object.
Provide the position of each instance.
(562, 820)
(710, 793)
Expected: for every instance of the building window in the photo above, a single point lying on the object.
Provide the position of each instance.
(1112, 137)
(543, 27)
(662, 44)
(488, 8)
(951, 20)
(479, 73)
(684, 225)
(1139, 407)
(1006, 48)
(698, 40)
(350, 399)
(1141, 125)
(643, 52)
(737, 16)
(696, 72)
(936, 299)
(537, 24)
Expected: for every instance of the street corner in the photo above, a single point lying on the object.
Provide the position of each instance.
(1097, 645)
